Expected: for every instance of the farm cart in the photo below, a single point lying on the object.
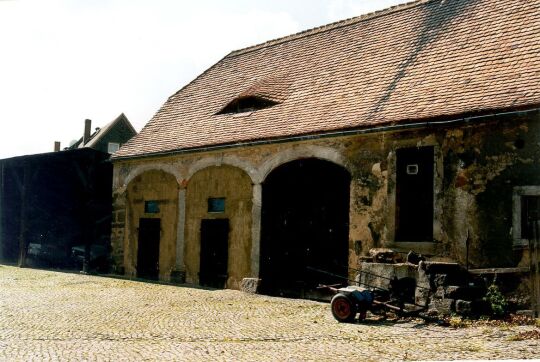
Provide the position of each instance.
(353, 300)
(358, 300)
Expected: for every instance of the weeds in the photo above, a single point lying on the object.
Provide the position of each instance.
(458, 322)
(498, 303)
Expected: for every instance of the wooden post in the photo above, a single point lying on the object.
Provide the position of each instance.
(1, 211)
(23, 243)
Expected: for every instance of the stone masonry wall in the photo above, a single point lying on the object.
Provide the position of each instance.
(162, 188)
(476, 167)
(237, 191)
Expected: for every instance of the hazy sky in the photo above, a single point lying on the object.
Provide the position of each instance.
(64, 61)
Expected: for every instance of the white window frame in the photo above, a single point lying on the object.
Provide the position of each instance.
(516, 212)
(115, 144)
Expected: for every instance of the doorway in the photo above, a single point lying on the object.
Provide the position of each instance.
(414, 194)
(304, 227)
(214, 252)
(148, 248)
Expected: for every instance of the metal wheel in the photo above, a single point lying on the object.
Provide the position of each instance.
(343, 309)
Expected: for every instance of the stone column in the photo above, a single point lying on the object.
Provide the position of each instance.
(178, 275)
(118, 230)
(256, 229)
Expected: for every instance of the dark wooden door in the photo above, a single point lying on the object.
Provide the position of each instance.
(414, 194)
(148, 249)
(214, 252)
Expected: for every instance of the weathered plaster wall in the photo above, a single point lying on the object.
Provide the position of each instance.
(482, 166)
(235, 186)
(476, 168)
(162, 187)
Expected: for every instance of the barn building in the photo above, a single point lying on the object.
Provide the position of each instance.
(412, 128)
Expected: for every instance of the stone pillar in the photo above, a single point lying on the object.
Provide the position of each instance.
(256, 230)
(118, 231)
(178, 275)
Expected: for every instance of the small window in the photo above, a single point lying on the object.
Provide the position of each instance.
(247, 104)
(526, 214)
(151, 207)
(216, 204)
(412, 169)
(113, 147)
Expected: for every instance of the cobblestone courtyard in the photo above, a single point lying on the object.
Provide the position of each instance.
(58, 316)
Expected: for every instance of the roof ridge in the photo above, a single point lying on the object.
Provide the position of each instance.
(329, 26)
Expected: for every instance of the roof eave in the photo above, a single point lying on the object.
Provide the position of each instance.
(396, 126)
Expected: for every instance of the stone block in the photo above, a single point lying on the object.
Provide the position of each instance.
(379, 275)
(178, 276)
(463, 307)
(526, 312)
(120, 216)
(250, 285)
(441, 306)
(440, 293)
(452, 291)
(384, 255)
(421, 296)
(423, 290)
(118, 269)
(439, 280)
(437, 267)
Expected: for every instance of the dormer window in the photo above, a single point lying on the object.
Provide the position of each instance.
(112, 147)
(247, 104)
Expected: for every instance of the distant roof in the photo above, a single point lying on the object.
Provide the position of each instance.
(420, 60)
(101, 132)
(18, 161)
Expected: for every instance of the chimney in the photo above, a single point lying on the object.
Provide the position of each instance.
(56, 146)
(87, 127)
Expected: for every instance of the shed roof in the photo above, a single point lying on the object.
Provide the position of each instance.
(417, 61)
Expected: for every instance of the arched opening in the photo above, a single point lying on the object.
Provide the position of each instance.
(218, 227)
(152, 206)
(304, 226)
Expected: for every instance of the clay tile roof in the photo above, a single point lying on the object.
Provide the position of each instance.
(274, 87)
(417, 61)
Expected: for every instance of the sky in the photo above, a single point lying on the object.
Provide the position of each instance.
(62, 62)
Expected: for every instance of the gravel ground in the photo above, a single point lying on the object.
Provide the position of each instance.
(54, 316)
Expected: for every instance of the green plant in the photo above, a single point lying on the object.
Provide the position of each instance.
(496, 300)
(458, 322)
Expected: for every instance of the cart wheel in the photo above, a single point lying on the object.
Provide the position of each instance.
(343, 309)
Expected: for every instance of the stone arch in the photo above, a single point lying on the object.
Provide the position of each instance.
(220, 160)
(161, 189)
(140, 169)
(295, 153)
(234, 185)
(304, 225)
